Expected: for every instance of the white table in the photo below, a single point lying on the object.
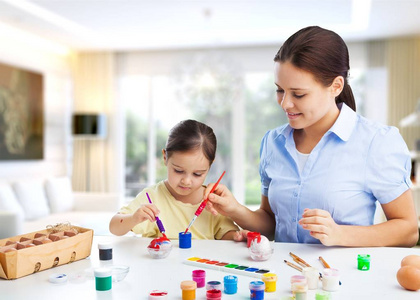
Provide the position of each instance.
(147, 274)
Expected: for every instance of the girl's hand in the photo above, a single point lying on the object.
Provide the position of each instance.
(240, 236)
(146, 212)
(221, 200)
(321, 226)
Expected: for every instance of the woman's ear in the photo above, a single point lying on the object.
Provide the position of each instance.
(337, 86)
(165, 161)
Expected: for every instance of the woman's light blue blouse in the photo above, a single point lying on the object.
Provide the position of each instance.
(356, 163)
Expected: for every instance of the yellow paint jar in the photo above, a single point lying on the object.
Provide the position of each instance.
(188, 288)
(270, 280)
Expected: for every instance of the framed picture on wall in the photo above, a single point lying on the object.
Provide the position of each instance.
(21, 114)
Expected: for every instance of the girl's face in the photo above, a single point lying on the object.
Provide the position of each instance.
(186, 173)
(307, 103)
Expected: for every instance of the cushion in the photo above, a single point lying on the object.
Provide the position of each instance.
(31, 195)
(8, 200)
(59, 194)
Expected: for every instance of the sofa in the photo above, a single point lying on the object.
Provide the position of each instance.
(28, 205)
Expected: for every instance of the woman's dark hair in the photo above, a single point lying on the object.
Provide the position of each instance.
(321, 52)
(192, 135)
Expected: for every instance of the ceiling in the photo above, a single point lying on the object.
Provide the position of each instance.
(123, 25)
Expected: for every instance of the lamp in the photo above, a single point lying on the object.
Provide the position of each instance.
(87, 127)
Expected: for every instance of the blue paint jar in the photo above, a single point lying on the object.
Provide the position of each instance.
(231, 284)
(184, 240)
(257, 290)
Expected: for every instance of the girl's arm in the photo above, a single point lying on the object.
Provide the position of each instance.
(120, 224)
(400, 229)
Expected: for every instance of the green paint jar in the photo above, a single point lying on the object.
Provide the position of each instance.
(103, 279)
(363, 262)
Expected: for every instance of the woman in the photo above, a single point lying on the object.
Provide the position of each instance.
(323, 172)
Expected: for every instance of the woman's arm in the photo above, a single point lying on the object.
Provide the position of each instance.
(400, 229)
(262, 220)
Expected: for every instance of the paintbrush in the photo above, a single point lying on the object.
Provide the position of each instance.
(297, 258)
(203, 204)
(158, 221)
(293, 266)
(324, 263)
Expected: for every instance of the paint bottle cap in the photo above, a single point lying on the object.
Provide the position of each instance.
(297, 278)
(257, 286)
(199, 273)
(268, 277)
(213, 285)
(229, 279)
(58, 278)
(104, 246)
(158, 295)
(188, 285)
(322, 295)
(103, 272)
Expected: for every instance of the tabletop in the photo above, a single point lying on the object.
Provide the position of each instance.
(147, 274)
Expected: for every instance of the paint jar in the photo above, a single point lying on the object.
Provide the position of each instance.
(188, 288)
(330, 280)
(158, 295)
(297, 278)
(199, 276)
(312, 277)
(184, 240)
(257, 290)
(363, 262)
(270, 280)
(322, 295)
(214, 285)
(214, 294)
(300, 290)
(105, 253)
(231, 284)
(250, 236)
(103, 279)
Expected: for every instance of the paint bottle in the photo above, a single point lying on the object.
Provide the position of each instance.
(297, 278)
(199, 276)
(105, 253)
(322, 295)
(103, 279)
(257, 290)
(184, 240)
(231, 284)
(158, 295)
(300, 290)
(270, 280)
(188, 288)
(330, 280)
(214, 285)
(312, 277)
(250, 236)
(214, 294)
(363, 262)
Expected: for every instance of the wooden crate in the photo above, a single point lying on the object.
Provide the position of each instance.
(27, 261)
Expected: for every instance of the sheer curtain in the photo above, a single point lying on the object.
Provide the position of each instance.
(99, 160)
(403, 63)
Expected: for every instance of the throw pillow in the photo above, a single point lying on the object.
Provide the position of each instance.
(8, 201)
(31, 196)
(59, 194)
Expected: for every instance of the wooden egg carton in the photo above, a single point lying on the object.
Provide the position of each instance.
(33, 252)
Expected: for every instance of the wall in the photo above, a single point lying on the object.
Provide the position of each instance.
(53, 62)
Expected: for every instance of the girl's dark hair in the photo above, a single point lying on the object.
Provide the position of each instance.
(323, 53)
(192, 135)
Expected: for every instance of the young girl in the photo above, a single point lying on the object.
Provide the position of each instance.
(189, 153)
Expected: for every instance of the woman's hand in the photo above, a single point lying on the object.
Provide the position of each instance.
(146, 212)
(321, 226)
(221, 200)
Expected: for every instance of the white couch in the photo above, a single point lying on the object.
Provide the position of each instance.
(29, 205)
